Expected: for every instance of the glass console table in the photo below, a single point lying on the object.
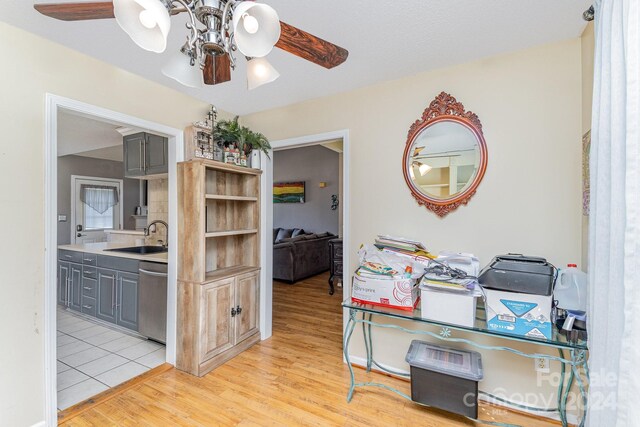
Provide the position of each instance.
(575, 363)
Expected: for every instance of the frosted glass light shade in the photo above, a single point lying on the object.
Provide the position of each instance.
(259, 72)
(180, 69)
(147, 22)
(263, 25)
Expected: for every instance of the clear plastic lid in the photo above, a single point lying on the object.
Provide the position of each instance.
(458, 363)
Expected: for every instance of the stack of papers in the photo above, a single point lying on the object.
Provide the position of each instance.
(403, 247)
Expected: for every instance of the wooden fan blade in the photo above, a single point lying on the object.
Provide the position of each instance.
(310, 47)
(216, 69)
(76, 11)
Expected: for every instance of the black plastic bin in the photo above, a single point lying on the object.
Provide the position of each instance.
(444, 377)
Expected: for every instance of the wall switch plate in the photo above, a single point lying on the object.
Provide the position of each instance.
(62, 218)
(542, 365)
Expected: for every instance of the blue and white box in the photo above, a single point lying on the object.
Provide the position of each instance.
(520, 314)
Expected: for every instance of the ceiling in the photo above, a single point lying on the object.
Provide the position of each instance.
(386, 40)
(88, 137)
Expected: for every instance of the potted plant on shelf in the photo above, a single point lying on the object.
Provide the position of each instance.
(240, 140)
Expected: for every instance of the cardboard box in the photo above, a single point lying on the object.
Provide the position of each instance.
(456, 308)
(521, 314)
(387, 292)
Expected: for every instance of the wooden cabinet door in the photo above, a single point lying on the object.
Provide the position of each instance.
(107, 287)
(63, 282)
(75, 288)
(216, 323)
(127, 300)
(248, 304)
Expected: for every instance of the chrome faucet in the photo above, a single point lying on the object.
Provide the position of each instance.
(158, 221)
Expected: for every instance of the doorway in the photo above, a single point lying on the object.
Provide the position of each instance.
(267, 225)
(94, 208)
(55, 105)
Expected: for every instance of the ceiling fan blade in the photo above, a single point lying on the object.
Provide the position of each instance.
(310, 47)
(76, 11)
(216, 69)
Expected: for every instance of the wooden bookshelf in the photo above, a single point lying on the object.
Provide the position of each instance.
(218, 263)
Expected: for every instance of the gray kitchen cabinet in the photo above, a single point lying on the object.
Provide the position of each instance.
(127, 300)
(75, 286)
(63, 282)
(117, 298)
(145, 154)
(107, 283)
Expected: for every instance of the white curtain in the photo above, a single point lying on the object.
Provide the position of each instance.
(614, 230)
(99, 197)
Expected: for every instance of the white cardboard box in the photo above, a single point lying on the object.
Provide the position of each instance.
(519, 314)
(387, 292)
(456, 308)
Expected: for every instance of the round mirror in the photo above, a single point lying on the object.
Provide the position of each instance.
(445, 156)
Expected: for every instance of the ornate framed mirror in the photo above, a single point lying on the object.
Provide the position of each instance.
(445, 157)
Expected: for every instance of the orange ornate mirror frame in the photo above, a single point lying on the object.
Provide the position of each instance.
(445, 156)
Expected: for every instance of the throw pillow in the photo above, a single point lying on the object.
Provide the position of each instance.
(297, 232)
(283, 233)
(275, 234)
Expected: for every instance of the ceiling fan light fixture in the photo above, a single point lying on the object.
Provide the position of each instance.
(180, 69)
(260, 72)
(147, 22)
(256, 28)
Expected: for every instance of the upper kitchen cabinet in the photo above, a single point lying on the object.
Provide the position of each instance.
(145, 155)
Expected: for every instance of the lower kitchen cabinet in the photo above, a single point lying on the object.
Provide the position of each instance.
(117, 298)
(226, 312)
(110, 294)
(70, 285)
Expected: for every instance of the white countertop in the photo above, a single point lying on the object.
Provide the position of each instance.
(136, 232)
(99, 248)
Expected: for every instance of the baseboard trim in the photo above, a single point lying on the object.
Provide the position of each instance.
(42, 423)
(361, 363)
(77, 409)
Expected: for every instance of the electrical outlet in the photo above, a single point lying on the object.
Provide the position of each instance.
(542, 365)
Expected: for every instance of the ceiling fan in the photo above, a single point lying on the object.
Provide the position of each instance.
(218, 28)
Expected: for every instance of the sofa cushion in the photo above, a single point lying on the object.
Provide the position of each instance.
(310, 236)
(292, 239)
(325, 234)
(283, 233)
(297, 232)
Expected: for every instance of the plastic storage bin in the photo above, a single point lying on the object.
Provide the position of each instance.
(444, 377)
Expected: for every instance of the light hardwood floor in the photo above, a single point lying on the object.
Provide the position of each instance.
(295, 378)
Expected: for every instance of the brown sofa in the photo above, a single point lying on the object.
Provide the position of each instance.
(299, 257)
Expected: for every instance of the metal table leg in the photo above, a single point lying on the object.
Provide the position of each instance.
(351, 324)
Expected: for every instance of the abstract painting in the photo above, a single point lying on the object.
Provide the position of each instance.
(288, 192)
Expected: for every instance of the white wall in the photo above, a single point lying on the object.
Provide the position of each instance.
(27, 75)
(530, 106)
(312, 165)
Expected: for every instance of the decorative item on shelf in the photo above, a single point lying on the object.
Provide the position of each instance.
(322, 184)
(202, 143)
(231, 135)
(288, 192)
(334, 202)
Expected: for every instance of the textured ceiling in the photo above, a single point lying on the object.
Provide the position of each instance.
(386, 40)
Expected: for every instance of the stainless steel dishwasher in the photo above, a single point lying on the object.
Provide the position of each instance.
(152, 301)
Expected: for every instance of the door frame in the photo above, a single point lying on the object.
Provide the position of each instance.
(72, 211)
(54, 103)
(266, 221)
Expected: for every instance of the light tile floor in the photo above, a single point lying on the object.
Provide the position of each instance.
(92, 357)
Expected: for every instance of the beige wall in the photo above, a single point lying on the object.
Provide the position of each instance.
(27, 74)
(530, 106)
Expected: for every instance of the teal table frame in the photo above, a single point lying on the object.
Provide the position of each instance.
(576, 363)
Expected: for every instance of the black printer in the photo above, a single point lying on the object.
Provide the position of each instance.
(519, 273)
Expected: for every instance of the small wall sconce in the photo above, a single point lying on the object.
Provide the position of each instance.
(322, 184)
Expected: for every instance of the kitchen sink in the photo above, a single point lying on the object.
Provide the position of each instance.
(142, 250)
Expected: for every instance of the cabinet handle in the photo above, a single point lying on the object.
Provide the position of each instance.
(113, 294)
(86, 288)
(68, 291)
(88, 307)
(238, 310)
(233, 312)
(144, 154)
